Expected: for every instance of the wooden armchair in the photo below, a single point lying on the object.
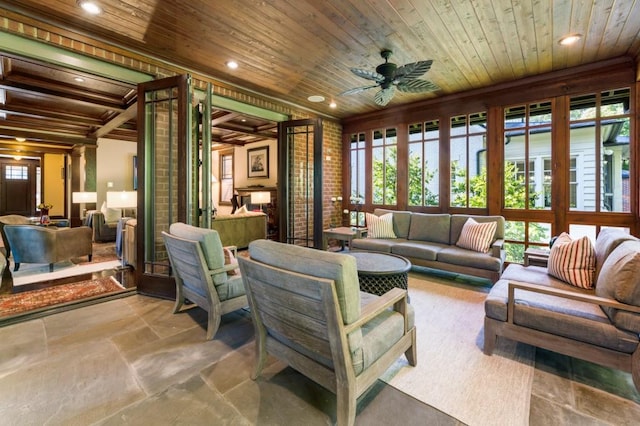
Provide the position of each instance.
(197, 261)
(308, 311)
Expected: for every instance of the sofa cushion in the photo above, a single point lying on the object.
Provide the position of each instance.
(458, 256)
(111, 215)
(458, 221)
(401, 221)
(573, 260)
(430, 227)
(375, 244)
(418, 249)
(380, 226)
(608, 239)
(476, 236)
(619, 279)
(558, 315)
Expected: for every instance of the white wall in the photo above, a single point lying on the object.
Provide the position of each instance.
(240, 165)
(114, 163)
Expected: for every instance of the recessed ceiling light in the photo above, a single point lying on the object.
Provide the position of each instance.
(333, 104)
(20, 139)
(79, 79)
(570, 39)
(90, 7)
(315, 98)
(232, 64)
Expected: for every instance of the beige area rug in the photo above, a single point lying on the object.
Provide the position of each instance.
(453, 374)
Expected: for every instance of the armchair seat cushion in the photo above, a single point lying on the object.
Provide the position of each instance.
(231, 288)
(585, 322)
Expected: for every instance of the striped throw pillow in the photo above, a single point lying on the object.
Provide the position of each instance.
(380, 226)
(573, 261)
(477, 236)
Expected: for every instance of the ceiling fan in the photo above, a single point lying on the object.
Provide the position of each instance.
(388, 76)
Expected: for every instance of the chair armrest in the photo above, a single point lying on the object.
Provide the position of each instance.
(497, 247)
(395, 297)
(566, 294)
(225, 268)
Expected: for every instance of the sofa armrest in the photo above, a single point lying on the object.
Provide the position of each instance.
(497, 248)
(566, 294)
(395, 297)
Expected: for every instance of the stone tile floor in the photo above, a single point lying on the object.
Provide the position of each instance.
(130, 361)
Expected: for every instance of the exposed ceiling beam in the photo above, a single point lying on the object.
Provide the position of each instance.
(114, 123)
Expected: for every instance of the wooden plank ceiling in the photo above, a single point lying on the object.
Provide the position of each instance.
(293, 49)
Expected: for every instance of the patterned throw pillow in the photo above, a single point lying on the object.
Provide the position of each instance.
(380, 226)
(477, 236)
(573, 261)
(229, 258)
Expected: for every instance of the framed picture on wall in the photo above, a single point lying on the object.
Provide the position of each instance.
(258, 162)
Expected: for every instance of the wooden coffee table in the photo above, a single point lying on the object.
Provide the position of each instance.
(342, 234)
(380, 272)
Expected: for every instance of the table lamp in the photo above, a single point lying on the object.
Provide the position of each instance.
(84, 198)
(260, 197)
(122, 200)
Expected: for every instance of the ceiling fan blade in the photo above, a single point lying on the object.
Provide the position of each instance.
(384, 96)
(417, 86)
(369, 75)
(412, 71)
(357, 90)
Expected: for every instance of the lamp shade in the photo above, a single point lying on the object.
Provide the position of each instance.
(84, 197)
(260, 197)
(122, 199)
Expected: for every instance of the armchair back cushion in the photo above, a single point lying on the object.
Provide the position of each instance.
(210, 244)
(619, 279)
(339, 268)
(608, 239)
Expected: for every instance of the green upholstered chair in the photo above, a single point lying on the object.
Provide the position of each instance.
(198, 265)
(308, 311)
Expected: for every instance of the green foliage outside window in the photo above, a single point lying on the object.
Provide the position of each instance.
(385, 177)
(416, 184)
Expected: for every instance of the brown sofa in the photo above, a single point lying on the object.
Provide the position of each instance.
(241, 228)
(600, 325)
(38, 244)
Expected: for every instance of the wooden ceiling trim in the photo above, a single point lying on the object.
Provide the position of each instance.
(48, 114)
(116, 122)
(44, 92)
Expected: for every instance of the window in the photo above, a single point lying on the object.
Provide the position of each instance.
(424, 174)
(599, 131)
(527, 133)
(226, 176)
(468, 160)
(357, 147)
(16, 172)
(384, 170)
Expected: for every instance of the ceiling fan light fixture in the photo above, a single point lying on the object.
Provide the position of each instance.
(90, 7)
(569, 39)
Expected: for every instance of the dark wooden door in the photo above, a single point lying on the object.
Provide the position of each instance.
(18, 187)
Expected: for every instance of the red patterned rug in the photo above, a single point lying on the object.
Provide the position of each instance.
(13, 304)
